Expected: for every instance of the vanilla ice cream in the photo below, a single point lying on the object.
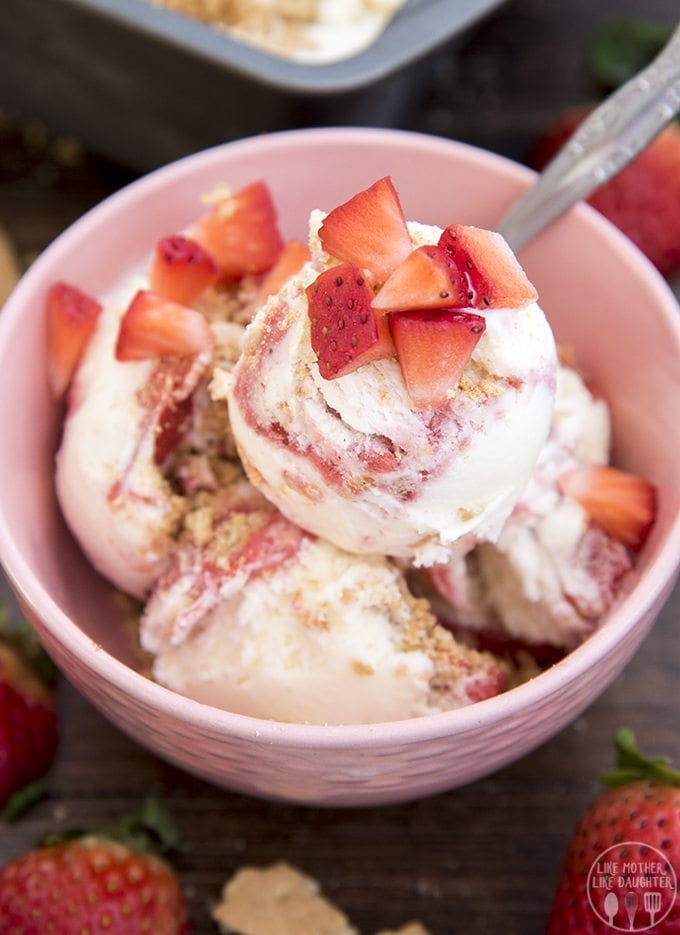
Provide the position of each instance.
(551, 575)
(255, 616)
(350, 460)
(310, 31)
(112, 492)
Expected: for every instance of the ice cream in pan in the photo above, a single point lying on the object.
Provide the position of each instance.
(268, 492)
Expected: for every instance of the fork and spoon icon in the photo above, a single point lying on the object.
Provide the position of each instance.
(651, 902)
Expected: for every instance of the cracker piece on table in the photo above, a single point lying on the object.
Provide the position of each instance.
(9, 266)
(277, 900)
(411, 928)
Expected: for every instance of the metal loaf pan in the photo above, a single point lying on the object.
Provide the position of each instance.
(144, 85)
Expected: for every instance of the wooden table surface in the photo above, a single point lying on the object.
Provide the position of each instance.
(482, 859)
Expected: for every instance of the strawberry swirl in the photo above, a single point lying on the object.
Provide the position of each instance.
(369, 472)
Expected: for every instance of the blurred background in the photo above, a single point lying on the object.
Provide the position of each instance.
(94, 93)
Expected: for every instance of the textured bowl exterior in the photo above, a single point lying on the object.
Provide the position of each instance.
(593, 285)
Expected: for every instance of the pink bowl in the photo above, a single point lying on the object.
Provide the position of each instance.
(602, 297)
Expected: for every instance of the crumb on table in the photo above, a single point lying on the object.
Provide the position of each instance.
(280, 900)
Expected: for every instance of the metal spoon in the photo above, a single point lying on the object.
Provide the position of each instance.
(611, 137)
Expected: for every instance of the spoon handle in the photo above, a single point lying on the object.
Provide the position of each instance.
(611, 137)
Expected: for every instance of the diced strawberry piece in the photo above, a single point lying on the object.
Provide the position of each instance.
(153, 326)
(489, 274)
(71, 319)
(241, 233)
(623, 504)
(369, 230)
(291, 260)
(643, 200)
(427, 278)
(433, 348)
(181, 269)
(173, 424)
(346, 333)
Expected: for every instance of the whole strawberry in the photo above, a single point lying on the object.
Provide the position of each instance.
(93, 884)
(622, 868)
(28, 725)
(643, 200)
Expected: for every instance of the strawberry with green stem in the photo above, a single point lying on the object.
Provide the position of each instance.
(28, 723)
(627, 842)
(643, 200)
(114, 881)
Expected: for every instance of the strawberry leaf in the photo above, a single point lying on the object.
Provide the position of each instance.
(23, 801)
(622, 47)
(61, 837)
(151, 829)
(632, 766)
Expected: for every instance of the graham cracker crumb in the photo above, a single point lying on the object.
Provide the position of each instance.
(452, 660)
(467, 515)
(220, 192)
(229, 337)
(481, 386)
(232, 535)
(411, 928)
(282, 29)
(566, 355)
(252, 472)
(277, 900)
(227, 472)
(198, 525)
(177, 508)
(230, 302)
(421, 622)
(360, 668)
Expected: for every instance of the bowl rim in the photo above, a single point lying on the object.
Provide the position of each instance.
(632, 608)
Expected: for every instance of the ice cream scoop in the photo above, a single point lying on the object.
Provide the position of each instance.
(109, 482)
(258, 617)
(552, 573)
(353, 460)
